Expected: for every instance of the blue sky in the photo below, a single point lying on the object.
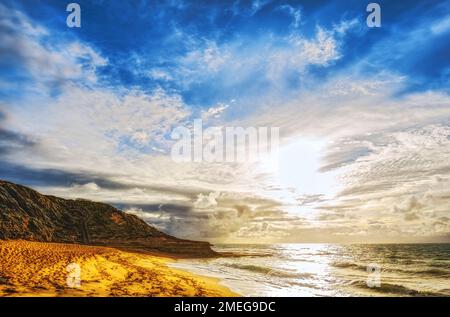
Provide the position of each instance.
(89, 111)
(139, 36)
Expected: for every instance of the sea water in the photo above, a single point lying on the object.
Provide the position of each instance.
(330, 269)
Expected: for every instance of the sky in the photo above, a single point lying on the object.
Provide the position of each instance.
(363, 114)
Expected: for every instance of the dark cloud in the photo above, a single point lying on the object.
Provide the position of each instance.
(344, 157)
(367, 188)
(56, 177)
(348, 150)
(411, 205)
(49, 177)
(11, 141)
(411, 216)
(172, 209)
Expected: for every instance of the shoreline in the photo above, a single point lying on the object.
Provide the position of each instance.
(184, 265)
(40, 269)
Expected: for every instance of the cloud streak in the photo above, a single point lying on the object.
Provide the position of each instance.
(365, 135)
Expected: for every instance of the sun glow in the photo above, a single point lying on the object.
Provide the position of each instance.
(296, 168)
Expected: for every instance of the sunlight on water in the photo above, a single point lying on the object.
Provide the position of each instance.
(330, 270)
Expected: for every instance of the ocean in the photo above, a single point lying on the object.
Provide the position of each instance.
(330, 269)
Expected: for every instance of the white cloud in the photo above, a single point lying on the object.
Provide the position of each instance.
(207, 201)
(441, 26)
(160, 74)
(401, 181)
(295, 13)
(86, 188)
(24, 42)
(213, 112)
(263, 58)
(322, 50)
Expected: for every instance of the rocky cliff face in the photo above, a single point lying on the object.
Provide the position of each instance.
(29, 215)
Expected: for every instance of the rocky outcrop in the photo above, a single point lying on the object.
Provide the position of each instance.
(29, 215)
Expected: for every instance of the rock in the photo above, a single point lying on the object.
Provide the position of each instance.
(29, 215)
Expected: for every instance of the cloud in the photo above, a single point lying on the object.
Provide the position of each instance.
(441, 26)
(403, 177)
(29, 50)
(12, 141)
(213, 112)
(254, 66)
(87, 117)
(216, 217)
(320, 51)
(410, 208)
(96, 124)
(295, 13)
(160, 74)
(206, 201)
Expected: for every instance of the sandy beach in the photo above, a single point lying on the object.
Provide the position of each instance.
(40, 269)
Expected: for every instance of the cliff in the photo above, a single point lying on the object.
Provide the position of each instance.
(28, 215)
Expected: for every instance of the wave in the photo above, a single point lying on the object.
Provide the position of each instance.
(345, 265)
(269, 271)
(396, 289)
(300, 284)
(427, 271)
(432, 272)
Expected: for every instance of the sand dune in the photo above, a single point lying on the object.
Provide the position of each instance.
(40, 269)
